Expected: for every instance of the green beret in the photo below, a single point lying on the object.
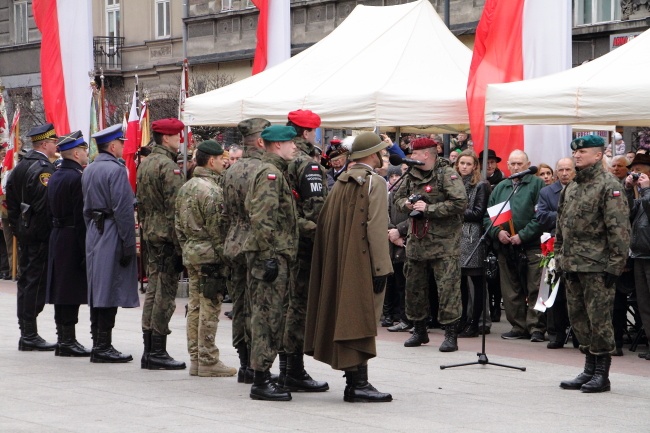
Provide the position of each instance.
(252, 126)
(279, 133)
(210, 147)
(366, 144)
(587, 141)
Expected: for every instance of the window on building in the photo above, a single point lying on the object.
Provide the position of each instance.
(20, 22)
(162, 19)
(249, 4)
(113, 18)
(596, 11)
(226, 5)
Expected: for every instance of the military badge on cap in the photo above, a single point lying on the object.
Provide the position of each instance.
(587, 141)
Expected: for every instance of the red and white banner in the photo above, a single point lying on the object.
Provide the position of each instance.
(14, 143)
(131, 143)
(66, 56)
(273, 34)
(518, 40)
(503, 217)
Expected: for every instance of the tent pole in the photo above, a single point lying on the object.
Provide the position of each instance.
(398, 139)
(486, 140)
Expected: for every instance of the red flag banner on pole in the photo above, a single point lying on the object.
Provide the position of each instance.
(131, 143)
(273, 34)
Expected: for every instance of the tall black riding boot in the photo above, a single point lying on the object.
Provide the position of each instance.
(146, 339)
(104, 352)
(420, 335)
(450, 344)
(159, 359)
(358, 390)
(584, 377)
(30, 340)
(297, 379)
(264, 389)
(67, 344)
(245, 373)
(600, 380)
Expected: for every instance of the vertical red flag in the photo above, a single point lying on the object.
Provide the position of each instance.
(131, 143)
(273, 34)
(497, 58)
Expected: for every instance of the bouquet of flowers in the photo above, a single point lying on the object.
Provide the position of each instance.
(547, 292)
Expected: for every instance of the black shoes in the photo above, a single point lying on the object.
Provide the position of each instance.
(585, 376)
(600, 380)
(245, 372)
(450, 343)
(103, 351)
(400, 327)
(30, 340)
(470, 331)
(358, 390)
(158, 358)
(555, 344)
(515, 335)
(420, 335)
(537, 337)
(264, 389)
(67, 344)
(297, 379)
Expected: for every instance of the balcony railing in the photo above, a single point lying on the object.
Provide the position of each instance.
(107, 51)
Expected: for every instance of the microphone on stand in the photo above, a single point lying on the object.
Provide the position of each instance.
(398, 160)
(531, 170)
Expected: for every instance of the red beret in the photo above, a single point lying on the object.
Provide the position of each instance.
(305, 119)
(168, 126)
(423, 143)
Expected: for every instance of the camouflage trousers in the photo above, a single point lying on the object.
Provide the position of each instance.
(446, 271)
(519, 300)
(241, 320)
(202, 320)
(590, 311)
(160, 298)
(294, 328)
(268, 302)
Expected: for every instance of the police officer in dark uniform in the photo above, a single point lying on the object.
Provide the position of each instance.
(27, 206)
(67, 287)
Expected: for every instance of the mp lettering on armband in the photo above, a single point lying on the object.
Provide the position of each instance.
(311, 183)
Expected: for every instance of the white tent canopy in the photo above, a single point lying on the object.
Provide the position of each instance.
(612, 89)
(391, 66)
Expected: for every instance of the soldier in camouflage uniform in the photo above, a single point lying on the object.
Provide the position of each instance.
(271, 251)
(200, 231)
(159, 180)
(236, 181)
(591, 244)
(433, 242)
(308, 180)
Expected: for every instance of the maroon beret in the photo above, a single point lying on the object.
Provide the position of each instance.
(305, 119)
(423, 143)
(168, 126)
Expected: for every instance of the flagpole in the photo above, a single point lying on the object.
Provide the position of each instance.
(102, 119)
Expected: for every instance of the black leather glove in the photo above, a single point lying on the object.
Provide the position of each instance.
(271, 270)
(125, 260)
(178, 263)
(610, 279)
(378, 284)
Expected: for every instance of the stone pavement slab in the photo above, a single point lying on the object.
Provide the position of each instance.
(43, 393)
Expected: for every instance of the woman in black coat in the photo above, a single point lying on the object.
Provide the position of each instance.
(478, 192)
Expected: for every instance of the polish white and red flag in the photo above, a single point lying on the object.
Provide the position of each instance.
(66, 59)
(273, 34)
(131, 143)
(518, 40)
(500, 218)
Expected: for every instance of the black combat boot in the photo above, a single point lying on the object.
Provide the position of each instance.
(103, 351)
(30, 340)
(146, 339)
(470, 331)
(358, 390)
(67, 344)
(282, 365)
(420, 335)
(600, 380)
(584, 377)
(245, 372)
(159, 359)
(264, 389)
(297, 379)
(450, 344)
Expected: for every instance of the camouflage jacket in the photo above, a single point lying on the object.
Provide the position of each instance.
(272, 211)
(593, 227)
(199, 219)
(159, 180)
(308, 180)
(236, 182)
(437, 234)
